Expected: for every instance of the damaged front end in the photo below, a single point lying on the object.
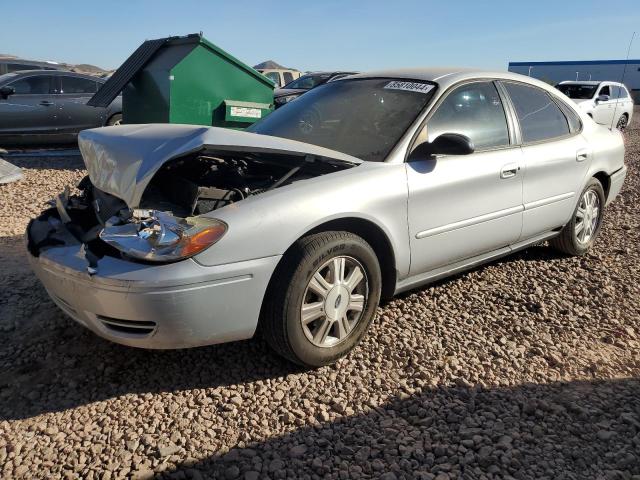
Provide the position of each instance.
(166, 215)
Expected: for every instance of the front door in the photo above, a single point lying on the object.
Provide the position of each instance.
(605, 109)
(463, 206)
(31, 109)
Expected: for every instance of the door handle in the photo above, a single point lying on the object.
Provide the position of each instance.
(582, 155)
(46, 103)
(509, 170)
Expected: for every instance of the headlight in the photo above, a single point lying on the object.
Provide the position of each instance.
(160, 237)
(287, 99)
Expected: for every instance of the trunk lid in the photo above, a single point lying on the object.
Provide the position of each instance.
(122, 160)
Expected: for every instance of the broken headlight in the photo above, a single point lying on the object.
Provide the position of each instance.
(161, 237)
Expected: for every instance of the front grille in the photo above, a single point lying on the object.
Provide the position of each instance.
(129, 327)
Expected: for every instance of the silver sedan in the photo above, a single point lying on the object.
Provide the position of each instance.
(183, 236)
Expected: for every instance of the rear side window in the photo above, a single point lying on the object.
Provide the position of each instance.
(78, 85)
(575, 124)
(474, 110)
(288, 77)
(622, 92)
(539, 116)
(39, 85)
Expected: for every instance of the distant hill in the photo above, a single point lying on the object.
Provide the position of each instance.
(270, 64)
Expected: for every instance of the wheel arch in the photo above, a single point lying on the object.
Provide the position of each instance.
(605, 180)
(372, 233)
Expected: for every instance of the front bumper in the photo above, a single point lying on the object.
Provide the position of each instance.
(616, 181)
(177, 305)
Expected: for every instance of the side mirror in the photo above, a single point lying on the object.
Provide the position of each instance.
(445, 144)
(6, 91)
(602, 98)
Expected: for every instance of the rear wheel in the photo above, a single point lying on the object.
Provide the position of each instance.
(115, 120)
(577, 236)
(622, 122)
(323, 298)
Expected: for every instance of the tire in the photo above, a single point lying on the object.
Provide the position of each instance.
(622, 122)
(115, 119)
(574, 239)
(334, 324)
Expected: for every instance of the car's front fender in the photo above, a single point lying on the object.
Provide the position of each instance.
(269, 223)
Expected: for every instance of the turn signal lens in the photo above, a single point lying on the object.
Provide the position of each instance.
(203, 239)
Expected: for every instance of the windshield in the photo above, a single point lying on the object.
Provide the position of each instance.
(580, 92)
(364, 118)
(307, 82)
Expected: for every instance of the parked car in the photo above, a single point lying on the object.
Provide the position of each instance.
(608, 103)
(359, 190)
(294, 89)
(280, 76)
(38, 106)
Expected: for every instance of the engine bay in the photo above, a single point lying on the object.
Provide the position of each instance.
(168, 216)
(203, 182)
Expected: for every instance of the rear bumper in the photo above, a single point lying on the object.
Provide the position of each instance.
(176, 305)
(616, 182)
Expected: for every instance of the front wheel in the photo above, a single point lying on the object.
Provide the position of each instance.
(577, 236)
(115, 120)
(322, 299)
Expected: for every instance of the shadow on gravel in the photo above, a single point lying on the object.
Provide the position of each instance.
(565, 430)
(47, 163)
(49, 363)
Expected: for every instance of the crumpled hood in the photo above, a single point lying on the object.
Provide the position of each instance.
(122, 160)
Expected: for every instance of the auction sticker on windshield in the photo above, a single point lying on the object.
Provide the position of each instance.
(409, 86)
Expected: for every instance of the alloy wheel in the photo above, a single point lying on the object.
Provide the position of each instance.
(334, 301)
(622, 123)
(587, 216)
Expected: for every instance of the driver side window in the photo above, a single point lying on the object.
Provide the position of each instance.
(474, 110)
(605, 91)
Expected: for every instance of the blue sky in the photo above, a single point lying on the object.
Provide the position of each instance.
(327, 34)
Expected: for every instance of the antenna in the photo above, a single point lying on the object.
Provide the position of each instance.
(624, 72)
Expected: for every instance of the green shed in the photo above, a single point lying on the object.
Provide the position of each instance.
(187, 80)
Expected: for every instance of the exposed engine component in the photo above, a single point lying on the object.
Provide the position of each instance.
(201, 183)
(166, 225)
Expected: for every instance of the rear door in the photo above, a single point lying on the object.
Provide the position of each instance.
(75, 114)
(463, 206)
(556, 157)
(624, 103)
(32, 108)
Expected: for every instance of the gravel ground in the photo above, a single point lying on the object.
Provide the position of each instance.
(526, 368)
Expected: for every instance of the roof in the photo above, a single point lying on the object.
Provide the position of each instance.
(578, 82)
(588, 82)
(60, 73)
(575, 62)
(145, 52)
(429, 74)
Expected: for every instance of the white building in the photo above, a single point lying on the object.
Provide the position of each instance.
(612, 70)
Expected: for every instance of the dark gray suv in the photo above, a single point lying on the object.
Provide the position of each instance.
(40, 106)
